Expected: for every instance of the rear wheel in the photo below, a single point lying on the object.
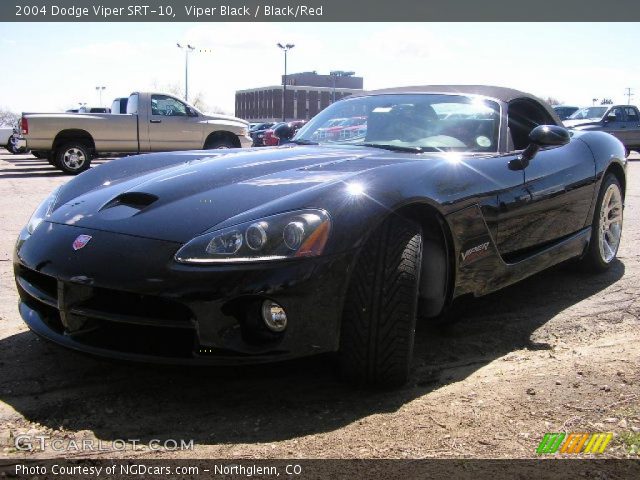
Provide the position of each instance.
(379, 318)
(606, 228)
(73, 157)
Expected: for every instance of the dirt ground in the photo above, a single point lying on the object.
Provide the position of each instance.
(559, 352)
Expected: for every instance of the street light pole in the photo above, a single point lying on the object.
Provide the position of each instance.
(338, 73)
(100, 90)
(285, 48)
(187, 49)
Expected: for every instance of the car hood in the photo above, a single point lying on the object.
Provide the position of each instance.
(576, 123)
(199, 191)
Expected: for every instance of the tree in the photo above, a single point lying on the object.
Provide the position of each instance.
(7, 117)
(606, 101)
(553, 101)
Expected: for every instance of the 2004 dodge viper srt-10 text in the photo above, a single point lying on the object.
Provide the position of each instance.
(320, 245)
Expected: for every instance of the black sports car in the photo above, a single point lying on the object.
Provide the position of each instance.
(271, 253)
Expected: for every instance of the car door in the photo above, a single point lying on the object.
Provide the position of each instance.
(172, 125)
(614, 122)
(552, 202)
(631, 132)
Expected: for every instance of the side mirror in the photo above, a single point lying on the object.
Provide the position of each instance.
(191, 112)
(549, 136)
(284, 133)
(541, 136)
(610, 118)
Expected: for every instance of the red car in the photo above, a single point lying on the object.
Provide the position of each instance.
(270, 139)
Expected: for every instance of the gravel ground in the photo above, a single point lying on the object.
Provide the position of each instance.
(557, 352)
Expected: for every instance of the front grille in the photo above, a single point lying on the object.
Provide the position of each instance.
(110, 319)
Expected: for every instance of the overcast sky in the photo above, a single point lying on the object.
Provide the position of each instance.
(49, 67)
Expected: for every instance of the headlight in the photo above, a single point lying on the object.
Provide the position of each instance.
(303, 233)
(42, 212)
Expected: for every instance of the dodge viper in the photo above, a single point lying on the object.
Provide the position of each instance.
(335, 245)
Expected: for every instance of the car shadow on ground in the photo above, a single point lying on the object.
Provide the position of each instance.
(55, 387)
(30, 167)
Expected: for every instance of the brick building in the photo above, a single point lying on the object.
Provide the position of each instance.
(307, 93)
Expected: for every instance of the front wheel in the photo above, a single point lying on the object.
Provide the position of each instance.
(606, 228)
(73, 158)
(219, 144)
(379, 318)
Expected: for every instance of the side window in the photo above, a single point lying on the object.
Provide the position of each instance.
(632, 115)
(167, 106)
(524, 115)
(618, 113)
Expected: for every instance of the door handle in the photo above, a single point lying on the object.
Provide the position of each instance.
(155, 121)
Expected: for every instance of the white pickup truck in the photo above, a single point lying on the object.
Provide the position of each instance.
(154, 122)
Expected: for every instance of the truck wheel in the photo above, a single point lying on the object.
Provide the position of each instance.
(606, 228)
(379, 318)
(73, 158)
(219, 144)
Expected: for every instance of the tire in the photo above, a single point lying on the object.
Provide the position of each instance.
(219, 144)
(73, 157)
(11, 145)
(379, 318)
(605, 233)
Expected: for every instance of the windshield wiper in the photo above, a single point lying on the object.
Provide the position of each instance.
(302, 141)
(394, 148)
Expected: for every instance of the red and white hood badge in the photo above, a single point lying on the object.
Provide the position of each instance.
(81, 241)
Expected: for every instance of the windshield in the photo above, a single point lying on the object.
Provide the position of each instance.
(589, 113)
(425, 122)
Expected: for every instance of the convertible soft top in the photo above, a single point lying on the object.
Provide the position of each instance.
(503, 94)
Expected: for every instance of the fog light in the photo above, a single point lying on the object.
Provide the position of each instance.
(274, 316)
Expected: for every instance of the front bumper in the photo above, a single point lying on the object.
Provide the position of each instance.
(245, 141)
(124, 297)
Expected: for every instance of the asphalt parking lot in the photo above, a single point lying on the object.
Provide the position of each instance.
(556, 352)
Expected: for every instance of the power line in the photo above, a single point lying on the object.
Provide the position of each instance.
(629, 95)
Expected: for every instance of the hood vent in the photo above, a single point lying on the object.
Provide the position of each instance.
(135, 200)
(126, 205)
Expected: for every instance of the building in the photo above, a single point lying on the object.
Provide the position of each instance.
(307, 93)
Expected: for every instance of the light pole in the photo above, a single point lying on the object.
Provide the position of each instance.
(338, 73)
(285, 48)
(100, 90)
(187, 49)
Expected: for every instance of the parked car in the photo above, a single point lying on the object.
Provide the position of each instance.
(154, 122)
(621, 121)
(564, 111)
(271, 137)
(268, 138)
(255, 256)
(5, 135)
(85, 109)
(257, 132)
(11, 139)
